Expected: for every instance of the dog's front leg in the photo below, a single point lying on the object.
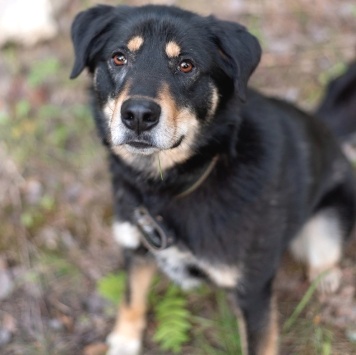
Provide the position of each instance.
(126, 337)
(258, 323)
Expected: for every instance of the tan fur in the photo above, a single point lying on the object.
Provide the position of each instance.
(131, 319)
(214, 101)
(175, 120)
(269, 342)
(168, 104)
(222, 275)
(112, 107)
(242, 332)
(170, 157)
(135, 43)
(172, 49)
(109, 109)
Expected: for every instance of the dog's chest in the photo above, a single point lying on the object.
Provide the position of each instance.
(179, 263)
(184, 268)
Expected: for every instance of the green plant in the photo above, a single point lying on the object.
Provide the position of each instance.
(34, 216)
(159, 167)
(332, 72)
(56, 265)
(227, 326)
(322, 341)
(22, 109)
(112, 287)
(42, 70)
(174, 320)
(303, 303)
(219, 335)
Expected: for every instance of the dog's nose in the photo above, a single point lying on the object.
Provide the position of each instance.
(140, 115)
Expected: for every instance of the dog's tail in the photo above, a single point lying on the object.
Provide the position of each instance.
(338, 106)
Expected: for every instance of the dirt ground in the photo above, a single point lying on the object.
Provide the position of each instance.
(55, 203)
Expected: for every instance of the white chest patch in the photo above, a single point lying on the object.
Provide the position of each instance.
(181, 265)
(175, 262)
(126, 234)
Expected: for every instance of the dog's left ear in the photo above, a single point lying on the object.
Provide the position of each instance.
(239, 52)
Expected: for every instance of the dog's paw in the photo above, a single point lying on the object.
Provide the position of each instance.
(329, 282)
(119, 345)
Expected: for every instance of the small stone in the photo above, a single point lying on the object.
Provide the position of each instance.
(95, 349)
(94, 303)
(55, 324)
(49, 237)
(351, 334)
(6, 282)
(5, 337)
(33, 191)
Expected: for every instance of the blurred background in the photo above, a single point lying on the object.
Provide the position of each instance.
(59, 268)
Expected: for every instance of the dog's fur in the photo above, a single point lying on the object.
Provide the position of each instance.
(338, 107)
(277, 176)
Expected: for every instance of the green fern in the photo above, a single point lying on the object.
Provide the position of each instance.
(174, 320)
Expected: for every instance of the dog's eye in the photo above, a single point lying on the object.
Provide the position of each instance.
(186, 66)
(119, 59)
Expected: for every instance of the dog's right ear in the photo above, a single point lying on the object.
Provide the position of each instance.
(240, 52)
(87, 27)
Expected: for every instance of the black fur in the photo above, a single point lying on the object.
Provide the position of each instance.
(277, 166)
(338, 106)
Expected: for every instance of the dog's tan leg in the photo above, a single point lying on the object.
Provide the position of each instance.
(126, 337)
(269, 339)
(258, 323)
(242, 332)
(268, 344)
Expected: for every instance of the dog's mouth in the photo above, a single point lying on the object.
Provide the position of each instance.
(147, 148)
(140, 145)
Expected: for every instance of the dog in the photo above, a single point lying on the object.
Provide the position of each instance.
(338, 106)
(212, 181)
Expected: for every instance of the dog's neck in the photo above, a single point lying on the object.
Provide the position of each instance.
(180, 180)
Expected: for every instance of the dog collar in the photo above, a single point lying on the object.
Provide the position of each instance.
(154, 235)
(201, 179)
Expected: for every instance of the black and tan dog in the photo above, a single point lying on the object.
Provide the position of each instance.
(212, 181)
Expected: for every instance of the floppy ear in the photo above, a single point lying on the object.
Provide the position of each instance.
(87, 27)
(239, 50)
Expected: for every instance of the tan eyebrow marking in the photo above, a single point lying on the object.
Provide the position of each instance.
(172, 49)
(135, 43)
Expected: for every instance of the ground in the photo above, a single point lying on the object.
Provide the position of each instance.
(58, 262)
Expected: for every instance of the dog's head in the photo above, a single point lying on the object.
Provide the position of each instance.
(161, 74)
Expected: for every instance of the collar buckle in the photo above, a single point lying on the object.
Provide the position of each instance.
(153, 235)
